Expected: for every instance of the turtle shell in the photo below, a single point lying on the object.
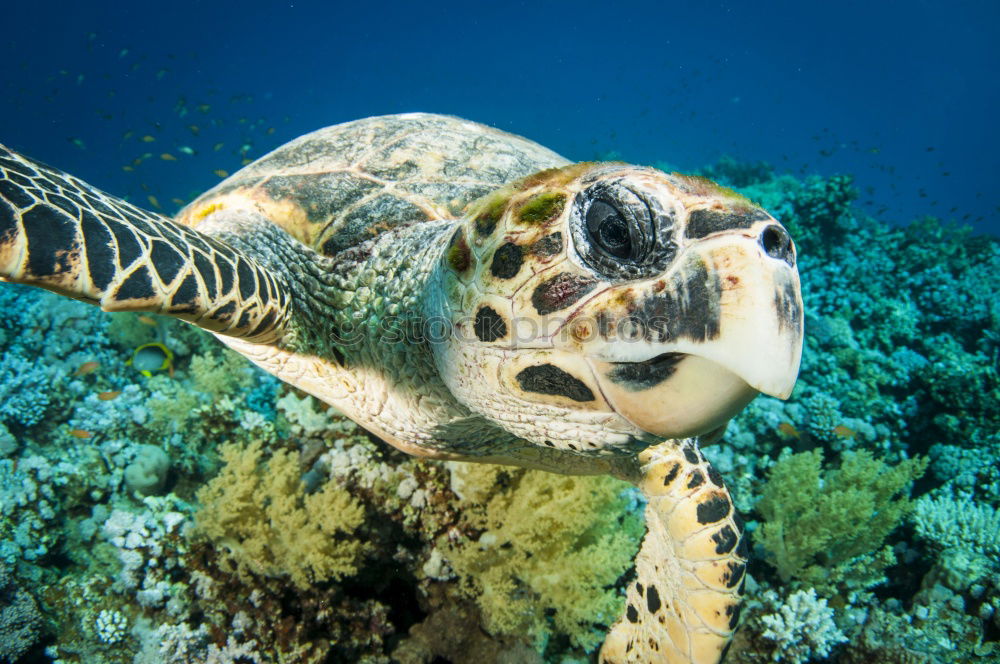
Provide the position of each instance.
(339, 186)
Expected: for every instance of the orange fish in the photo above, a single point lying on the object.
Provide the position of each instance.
(108, 396)
(166, 156)
(221, 173)
(80, 433)
(844, 432)
(152, 201)
(146, 320)
(786, 429)
(87, 368)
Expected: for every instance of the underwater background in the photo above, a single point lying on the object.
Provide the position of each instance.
(150, 478)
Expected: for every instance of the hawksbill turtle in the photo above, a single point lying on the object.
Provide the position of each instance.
(464, 293)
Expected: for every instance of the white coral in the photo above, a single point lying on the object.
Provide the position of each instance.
(958, 523)
(802, 628)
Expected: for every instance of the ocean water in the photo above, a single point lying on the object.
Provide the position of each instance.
(162, 500)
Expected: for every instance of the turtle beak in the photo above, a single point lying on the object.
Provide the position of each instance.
(724, 324)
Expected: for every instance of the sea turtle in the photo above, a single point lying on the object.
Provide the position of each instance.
(465, 293)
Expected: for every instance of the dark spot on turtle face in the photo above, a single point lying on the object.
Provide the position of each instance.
(705, 222)
(695, 480)
(632, 614)
(542, 207)
(489, 216)
(639, 589)
(713, 510)
(459, 256)
(690, 454)
(166, 261)
(506, 261)
(735, 573)
(16, 195)
(183, 299)
(138, 286)
(638, 376)
(786, 305)
(51, 236)
(653, 599)
(671, 474)
(733, 611)
(715, 477)
(690, 310)
(561, 291)
(725, 540)
(548, 246)
(550, 379)
(489, 325)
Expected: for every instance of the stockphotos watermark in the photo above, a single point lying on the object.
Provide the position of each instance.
(582, 329)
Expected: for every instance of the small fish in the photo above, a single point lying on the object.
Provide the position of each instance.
(221, 173)
(87, 368)
(123, 53)
(246, 161)
(270, 130)
(844, 432)
(80, 433)
(79, 79)
(78, 143)
(148, 139)
(108, 396)
(186, 150)
(204, 108)
(177, 201)
(152, 201)
(786, 429)
(217, 146)
(127, 169)
(195, 129)
(127, 135)
(147, 320)
(160, 74)
(166, 156)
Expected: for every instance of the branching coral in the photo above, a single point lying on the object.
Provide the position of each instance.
(550, 551)
(815, 521)
(259, 513)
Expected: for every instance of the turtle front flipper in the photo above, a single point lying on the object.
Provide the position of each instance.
(684, 604)
(61, 234)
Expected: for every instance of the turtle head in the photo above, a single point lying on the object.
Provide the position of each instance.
(602, 305)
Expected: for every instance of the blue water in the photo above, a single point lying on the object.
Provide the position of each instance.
(904, 100)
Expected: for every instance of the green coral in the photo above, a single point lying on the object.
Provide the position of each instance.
(550, 552)
(259, 514)
(818, 524)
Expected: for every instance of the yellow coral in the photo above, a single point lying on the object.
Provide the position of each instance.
(551, 550)
(259, 513)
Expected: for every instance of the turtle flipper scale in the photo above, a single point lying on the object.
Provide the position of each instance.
(684, 604)
(61, 234)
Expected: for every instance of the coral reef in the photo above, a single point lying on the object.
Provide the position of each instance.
(210, 514)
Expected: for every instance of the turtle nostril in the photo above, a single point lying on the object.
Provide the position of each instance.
(777, 244)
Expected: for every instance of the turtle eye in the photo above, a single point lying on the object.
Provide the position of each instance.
(619, 233)
(608, 228)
